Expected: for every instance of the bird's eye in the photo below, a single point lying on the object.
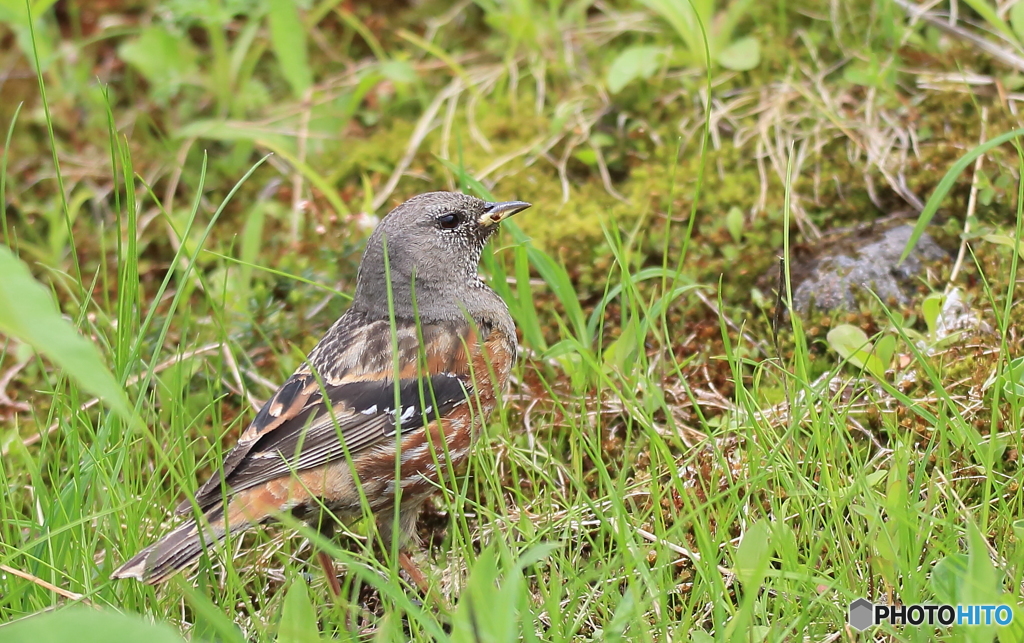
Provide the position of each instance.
(449, 220)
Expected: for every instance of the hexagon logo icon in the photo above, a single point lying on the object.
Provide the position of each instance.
(861, 614)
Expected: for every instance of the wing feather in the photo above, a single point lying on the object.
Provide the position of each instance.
(310, 421)
(364, 415)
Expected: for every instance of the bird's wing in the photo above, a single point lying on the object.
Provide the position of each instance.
(343, 399)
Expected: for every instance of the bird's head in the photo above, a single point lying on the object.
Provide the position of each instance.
(433, 242)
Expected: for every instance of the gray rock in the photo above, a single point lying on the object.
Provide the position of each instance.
(841, 272)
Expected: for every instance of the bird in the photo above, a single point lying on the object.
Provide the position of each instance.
(401, 383)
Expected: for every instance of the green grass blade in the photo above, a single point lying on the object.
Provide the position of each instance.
(86, 625)
(946, 184)
(28, 314)
(3, 175)
(288, 37)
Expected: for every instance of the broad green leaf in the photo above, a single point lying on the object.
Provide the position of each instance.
(28, 314)
(860, 73)
(1013, 379)
(853, 345)
(298, 619)
(601, 139)
(288, 37)
(885, 348)
(620, 354)
(512, 592)
(885, 545)
(691, 29)
(724, 24)
(947, 577)
(1003, 239)
(875, 477)
(751, 563)
(734, 223)
(211, 623)
(931, 307)
(633, 63)
(1017, 20)
(586, 156)
(742, 55)
(785, 543)
(166, 61)
(85, 625)
(483, 612)
(980, 584)
(397, 71)
(759, 633)
(625, 613)
(223, 130)
(537, 553)
(988, 12)
(753, 556)
(42, 47)
(1014, 632)
(14, 10)
(239, 277)
(897, 498)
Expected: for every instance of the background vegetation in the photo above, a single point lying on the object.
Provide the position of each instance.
(186, 187)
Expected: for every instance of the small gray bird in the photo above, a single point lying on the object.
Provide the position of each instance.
(345, 416)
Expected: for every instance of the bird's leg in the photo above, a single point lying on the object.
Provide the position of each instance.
(414, 572)
(332, 574)
(325, 524)
(417, 576)
(332, 581)
(409, 541)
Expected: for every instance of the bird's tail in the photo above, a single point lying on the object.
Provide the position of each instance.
(177, 550)
(183, 546)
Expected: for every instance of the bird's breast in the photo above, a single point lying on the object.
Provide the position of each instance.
(433, 453)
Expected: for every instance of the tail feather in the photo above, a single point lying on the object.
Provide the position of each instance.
(183, 546)
(173, 553)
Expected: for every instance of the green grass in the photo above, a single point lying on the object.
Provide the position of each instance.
(656, 472)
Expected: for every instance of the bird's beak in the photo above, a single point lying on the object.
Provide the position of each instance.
(498, 212)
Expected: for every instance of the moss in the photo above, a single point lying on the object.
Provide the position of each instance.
(830, 188)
